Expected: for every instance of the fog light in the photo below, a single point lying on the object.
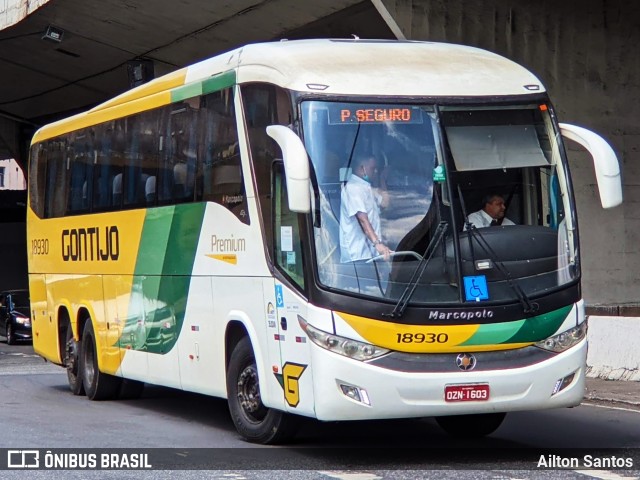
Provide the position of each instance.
(563, 383)
(354, 393)
(484, 264)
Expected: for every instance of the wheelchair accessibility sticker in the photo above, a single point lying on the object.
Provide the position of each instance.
(475, 288)
(279, 297)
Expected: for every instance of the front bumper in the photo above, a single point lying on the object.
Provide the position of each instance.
(401, 394)
(22, 332)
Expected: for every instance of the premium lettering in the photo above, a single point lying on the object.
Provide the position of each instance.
(221, 244)
(90, 244)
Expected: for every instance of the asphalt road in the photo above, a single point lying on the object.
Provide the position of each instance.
(39, 412)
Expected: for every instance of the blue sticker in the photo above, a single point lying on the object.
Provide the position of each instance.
(475, 288)
(279, 297)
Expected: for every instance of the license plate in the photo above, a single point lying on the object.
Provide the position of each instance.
(466, 393)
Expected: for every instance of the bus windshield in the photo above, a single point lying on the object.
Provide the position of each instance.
(398, 183)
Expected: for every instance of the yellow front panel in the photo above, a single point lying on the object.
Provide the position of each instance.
(85, 244)
(43, 324)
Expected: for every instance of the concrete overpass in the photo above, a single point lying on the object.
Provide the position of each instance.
(585, 51)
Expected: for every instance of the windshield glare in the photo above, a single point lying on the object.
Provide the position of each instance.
(386, 179)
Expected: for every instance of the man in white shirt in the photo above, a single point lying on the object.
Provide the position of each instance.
(360, 235)
(491, 214)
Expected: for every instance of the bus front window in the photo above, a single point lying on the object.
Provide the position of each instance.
(378, 160)
(511, 153)
(391, 191)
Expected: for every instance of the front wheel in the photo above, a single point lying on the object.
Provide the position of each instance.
(478, 425)
(97, 385)
(255, 422)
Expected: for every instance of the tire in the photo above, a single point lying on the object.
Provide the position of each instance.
(72, 351)
(130, 389)
(97, 385)
(11, 338)
(254, 422)
(478, 425)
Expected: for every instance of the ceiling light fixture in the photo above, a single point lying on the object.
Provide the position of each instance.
(54, 34)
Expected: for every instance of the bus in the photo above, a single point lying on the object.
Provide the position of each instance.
(187, 234)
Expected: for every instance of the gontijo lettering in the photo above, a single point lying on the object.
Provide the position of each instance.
(90, 244)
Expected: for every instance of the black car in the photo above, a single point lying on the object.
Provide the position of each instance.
(15, 318)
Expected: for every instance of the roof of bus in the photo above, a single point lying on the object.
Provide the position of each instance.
(332, 67)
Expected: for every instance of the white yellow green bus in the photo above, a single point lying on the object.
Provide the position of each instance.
(186, 234)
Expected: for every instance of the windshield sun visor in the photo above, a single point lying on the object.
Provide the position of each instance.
(495, 146)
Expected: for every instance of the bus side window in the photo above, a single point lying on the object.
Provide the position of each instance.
(265, 105)
(37, 177)
(57, 179)
(178, 151)
(81, 165)
(220, 176)
(287, 245)
(142, 160)
(107, 192)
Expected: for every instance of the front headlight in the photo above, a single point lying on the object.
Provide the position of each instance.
(565, 340)
(23, 320)
(341, 345)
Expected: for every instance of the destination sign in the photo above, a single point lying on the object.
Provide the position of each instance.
(351, 113)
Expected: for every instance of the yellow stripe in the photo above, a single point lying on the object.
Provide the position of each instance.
(164, 83)
(419, 338)
(224, 257)
(88, 119)
(153, 95)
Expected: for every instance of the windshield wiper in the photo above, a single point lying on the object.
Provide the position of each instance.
(527, 305)
(353, 149)
(401, 306)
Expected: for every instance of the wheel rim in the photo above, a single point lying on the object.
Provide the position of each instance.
(249, 395)
(71, 356)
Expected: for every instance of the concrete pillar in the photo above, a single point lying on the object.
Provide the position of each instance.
(12, 11)
(8, 139)
(585, 52)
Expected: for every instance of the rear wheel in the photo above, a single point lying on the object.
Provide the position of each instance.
(97, 385)
(11, 337)
(255, 422)
(72, 362)
(477, 425)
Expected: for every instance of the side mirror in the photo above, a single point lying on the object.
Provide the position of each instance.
(605, 163)
(296, 167)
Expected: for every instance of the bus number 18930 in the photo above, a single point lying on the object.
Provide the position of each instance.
(422, 338)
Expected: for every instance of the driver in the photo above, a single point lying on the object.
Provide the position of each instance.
(491, 214)
(360, 236)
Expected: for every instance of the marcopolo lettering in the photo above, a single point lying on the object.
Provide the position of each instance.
(91, 244)
(460, 314)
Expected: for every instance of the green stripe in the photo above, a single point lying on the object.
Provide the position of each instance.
(541, 327)
(153, 241)
(186, 91)
(494, 333)
(218, 82)
(210, 85)
(166, 256)
(529, 330)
